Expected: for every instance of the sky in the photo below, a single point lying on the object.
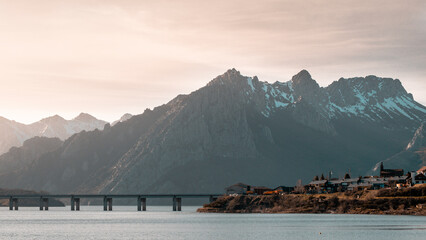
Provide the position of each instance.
(109, 57)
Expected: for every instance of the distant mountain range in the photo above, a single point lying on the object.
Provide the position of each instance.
(13, 134)
(235, 129)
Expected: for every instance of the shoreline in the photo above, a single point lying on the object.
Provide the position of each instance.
(410, 201)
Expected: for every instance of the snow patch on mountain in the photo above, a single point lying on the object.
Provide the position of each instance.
(372, 98)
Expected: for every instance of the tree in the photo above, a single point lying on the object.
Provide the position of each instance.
(299, 187)
(316, 178)
(322, 177)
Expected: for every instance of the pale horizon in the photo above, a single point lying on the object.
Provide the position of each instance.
(108, 58)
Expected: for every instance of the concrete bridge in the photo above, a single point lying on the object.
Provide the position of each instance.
(140, 199)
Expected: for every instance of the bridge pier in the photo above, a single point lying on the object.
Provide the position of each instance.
(77, 204)
(107, 204)
(46, 203)
(177, 201)
(10, 203)
(141, 204)
(110, 204)
(174, 203)
(14, 204)
(72, 203)
(179, 204)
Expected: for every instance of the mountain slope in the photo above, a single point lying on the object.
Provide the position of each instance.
(22, 157)
(234, 129)
(81, 160)
(241, 129)
(123, 118)
(412, 158)
(13, 134)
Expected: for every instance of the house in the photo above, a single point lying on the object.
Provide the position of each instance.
(317, 186)
(376, 182)
(379, 184)
(390, 172)
(419, 179)
(359, 186)
(348, 181)
(284, 189)
(238, 188)
(422, 170)
(260, 190)
(333, 185)
(397, 181)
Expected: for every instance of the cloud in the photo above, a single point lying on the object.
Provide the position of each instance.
(150, 51)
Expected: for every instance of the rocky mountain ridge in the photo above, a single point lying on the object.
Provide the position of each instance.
(235, 129)
(13, 134)
(372, 98)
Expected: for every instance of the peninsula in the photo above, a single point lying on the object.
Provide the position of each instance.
(407, 201)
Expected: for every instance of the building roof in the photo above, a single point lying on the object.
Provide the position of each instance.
(421, 176)
(317, 182)
(242, 185)
(359, 185)
(396, 178)
(347, 180)
(335, 181)
(261, 188)
(379, 182)
(422, 170)
(282, 187)
(391, 171)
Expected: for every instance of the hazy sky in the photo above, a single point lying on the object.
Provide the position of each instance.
(112, 57)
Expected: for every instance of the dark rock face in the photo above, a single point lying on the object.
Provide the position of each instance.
(235, 129)
(23, 157)
(412, 158)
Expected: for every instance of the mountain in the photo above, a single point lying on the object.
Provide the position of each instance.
(235, 129)
(23, 157)
(123, 118)
(13, 134)
(412, 158)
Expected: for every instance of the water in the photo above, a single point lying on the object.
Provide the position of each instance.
(161, 223)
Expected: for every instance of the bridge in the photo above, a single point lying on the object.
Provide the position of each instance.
(140, 199)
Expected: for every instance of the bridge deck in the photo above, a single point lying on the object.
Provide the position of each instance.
(107, 199)
(21, 196)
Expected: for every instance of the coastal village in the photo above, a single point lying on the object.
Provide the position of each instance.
(389, 178)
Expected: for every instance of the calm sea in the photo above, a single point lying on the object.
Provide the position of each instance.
(161, 223)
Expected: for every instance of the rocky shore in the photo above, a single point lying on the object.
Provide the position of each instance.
(409, 201)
